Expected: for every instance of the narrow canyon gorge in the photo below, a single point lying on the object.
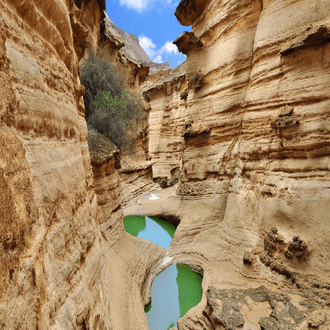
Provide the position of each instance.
(234, 151)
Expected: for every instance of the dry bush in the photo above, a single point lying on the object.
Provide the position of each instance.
(110, 108)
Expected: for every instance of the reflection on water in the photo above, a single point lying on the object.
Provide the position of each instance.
(165, 307)
(175, 290)
(155, 230)
(189, 288)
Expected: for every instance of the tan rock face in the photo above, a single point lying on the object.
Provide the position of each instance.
(107, 188)
(62, 240)
(132, 49)
(48, 226)
(253, 129)
(244, 130)
(166, 122)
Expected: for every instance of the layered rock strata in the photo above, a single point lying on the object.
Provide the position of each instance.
(49, 237)
(135, 165)
(65, 260)
(244, 129)
(106, 180)
(166, 122)
(252, 127)
(132, 48)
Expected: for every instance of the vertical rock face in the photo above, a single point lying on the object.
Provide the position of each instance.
(252, 127)
(166, 123)
(62, 240)
(132, 48)
(103, 157)
(49, 226)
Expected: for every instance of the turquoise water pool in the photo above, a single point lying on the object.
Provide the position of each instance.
(175, 290)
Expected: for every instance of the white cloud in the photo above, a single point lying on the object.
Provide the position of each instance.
(168, 48)
(156, 54)
(149, 47)
(158, 59)
(141, 5)
(138, 5)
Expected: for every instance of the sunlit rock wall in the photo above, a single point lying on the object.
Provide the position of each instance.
(135, 167)
(49, 238)
(167, 119)
(129, 262)
(65, 261)
(254, 163)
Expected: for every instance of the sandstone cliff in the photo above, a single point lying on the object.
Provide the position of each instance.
(65, 260)
(132, 48)
(246, 131)
(49, 218)
(242, 128)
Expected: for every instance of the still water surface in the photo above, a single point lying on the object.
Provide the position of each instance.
(175, 290)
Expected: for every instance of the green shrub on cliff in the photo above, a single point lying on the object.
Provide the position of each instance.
(109, 108)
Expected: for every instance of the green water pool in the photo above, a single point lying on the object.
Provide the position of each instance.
(175, 290)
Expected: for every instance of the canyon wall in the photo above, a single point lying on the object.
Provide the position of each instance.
(65, 259)
(166, 122)
(49, 218)
(238, 136)
(246, 130)
(132, 48)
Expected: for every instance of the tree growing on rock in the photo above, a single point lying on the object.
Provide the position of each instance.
(110, 108)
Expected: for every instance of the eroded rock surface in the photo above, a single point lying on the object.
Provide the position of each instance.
(166, 123)
(50, 221)
(238, 137)
(247, 131)
(65, 260)
(132, 48)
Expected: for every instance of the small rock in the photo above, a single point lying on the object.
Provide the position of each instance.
(247, 258)
(316, 318)
(274, 230)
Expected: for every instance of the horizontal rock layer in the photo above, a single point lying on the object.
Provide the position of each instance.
(65, 260)
(248, 133)
(242, 127)
(132, 48)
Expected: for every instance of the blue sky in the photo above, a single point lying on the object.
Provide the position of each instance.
(153, 22)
